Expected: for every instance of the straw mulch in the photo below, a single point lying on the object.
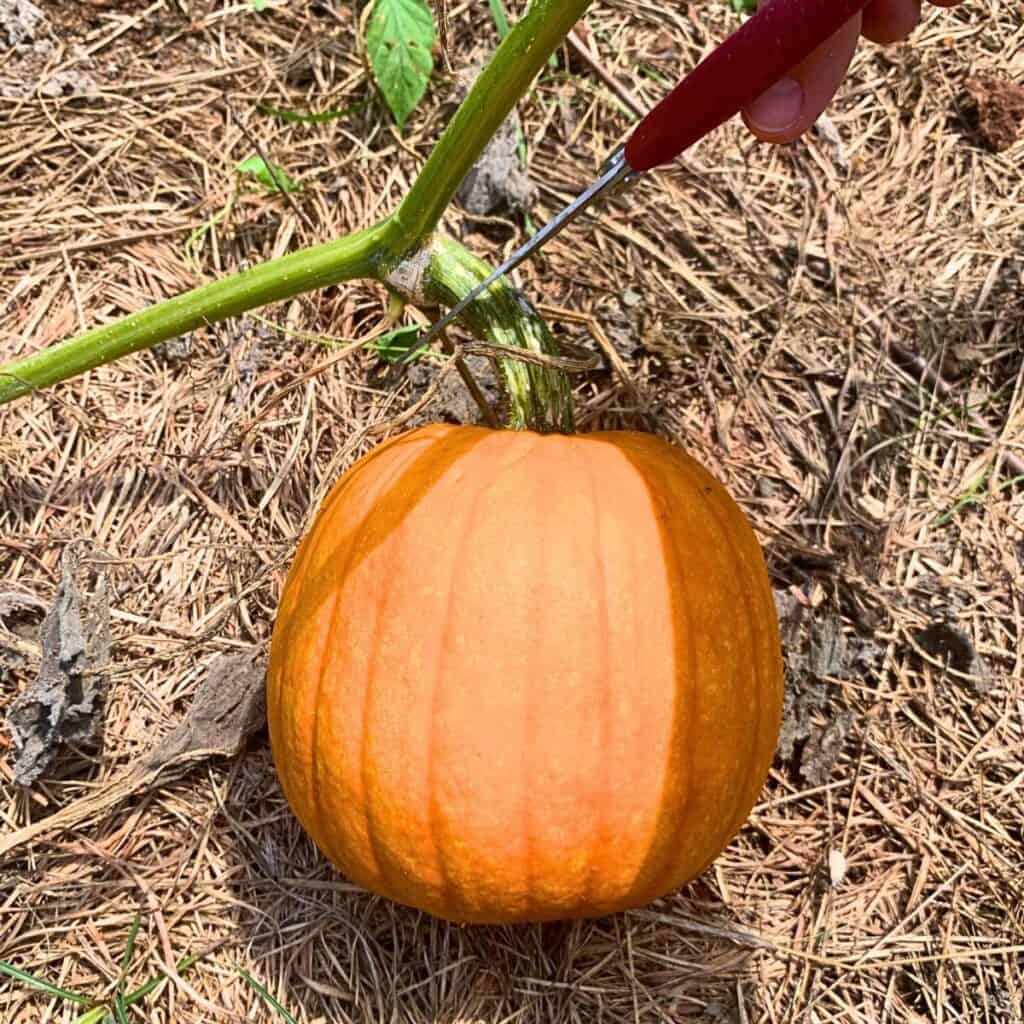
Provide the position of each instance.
(835, 327)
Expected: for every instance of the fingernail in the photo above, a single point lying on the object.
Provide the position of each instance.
(778, 108)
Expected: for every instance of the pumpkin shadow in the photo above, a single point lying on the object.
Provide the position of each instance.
(333, 952)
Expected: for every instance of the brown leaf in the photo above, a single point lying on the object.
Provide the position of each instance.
(228, 708)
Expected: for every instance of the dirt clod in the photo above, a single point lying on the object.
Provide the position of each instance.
(228, 708)
(815, 650)
(62, 705)
(996, 106)
(453, 403)
(497, 181)
(952, 646)
(19, 20)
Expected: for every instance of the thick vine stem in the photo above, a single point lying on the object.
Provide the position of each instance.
(540, 398)
(358, 255)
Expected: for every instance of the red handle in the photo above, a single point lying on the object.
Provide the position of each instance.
(781, 35)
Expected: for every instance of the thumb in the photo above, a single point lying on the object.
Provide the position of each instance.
(794, 103)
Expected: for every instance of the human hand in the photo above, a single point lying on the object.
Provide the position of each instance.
(792, 105)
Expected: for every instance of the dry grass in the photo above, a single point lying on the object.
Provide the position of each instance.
(765, 304)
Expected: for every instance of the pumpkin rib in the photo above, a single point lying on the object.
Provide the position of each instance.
(380, 866)
(314, 769)
(699, 483)
(354, 476)
(318, 704)
(450, 893)
(751, 622)
(526, 773)
(481, 494)
(589, 471)
(316, 806)
(366, 707)
(615, 458)
(683, 723)
(700, 479)
(539, 508)
(332, 621)
(675, 794)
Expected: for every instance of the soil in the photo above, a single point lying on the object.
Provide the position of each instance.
(997, 107)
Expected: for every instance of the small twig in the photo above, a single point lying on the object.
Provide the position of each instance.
(928, 376)
(628, 100)
(597, 332)
(566, 365)
(443, 33)
(271, 169)
(471, 383)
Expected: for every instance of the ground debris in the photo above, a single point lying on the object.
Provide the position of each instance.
(823, 747)
(453, 403)
(815, 649)
(30, 48)
(16, 602)
(996, 106)
(227, 709)
(18, 21)
(497, 181)
(954, 648)
(63, 703)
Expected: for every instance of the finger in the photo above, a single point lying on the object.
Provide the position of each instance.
(888, 21)
(792, 105)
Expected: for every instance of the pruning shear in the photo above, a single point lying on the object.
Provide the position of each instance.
(781, 35)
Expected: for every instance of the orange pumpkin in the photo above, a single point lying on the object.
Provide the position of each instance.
(521, 678)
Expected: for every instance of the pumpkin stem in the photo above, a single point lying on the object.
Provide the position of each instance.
(534, 377)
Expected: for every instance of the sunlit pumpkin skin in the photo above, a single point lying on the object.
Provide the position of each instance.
(525, 678)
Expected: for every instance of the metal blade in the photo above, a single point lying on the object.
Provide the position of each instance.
(616, 171)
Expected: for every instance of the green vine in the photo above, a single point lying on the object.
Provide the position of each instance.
(375, 252)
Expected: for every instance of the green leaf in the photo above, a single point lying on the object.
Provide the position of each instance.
(97, 1015)
(400, 42)
(44, 986)
(154, 983)
(267, 997)
(269, 175)
(744, 6)
(120, 1007)
(500, 18)
(394, 346)
(129, 946)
